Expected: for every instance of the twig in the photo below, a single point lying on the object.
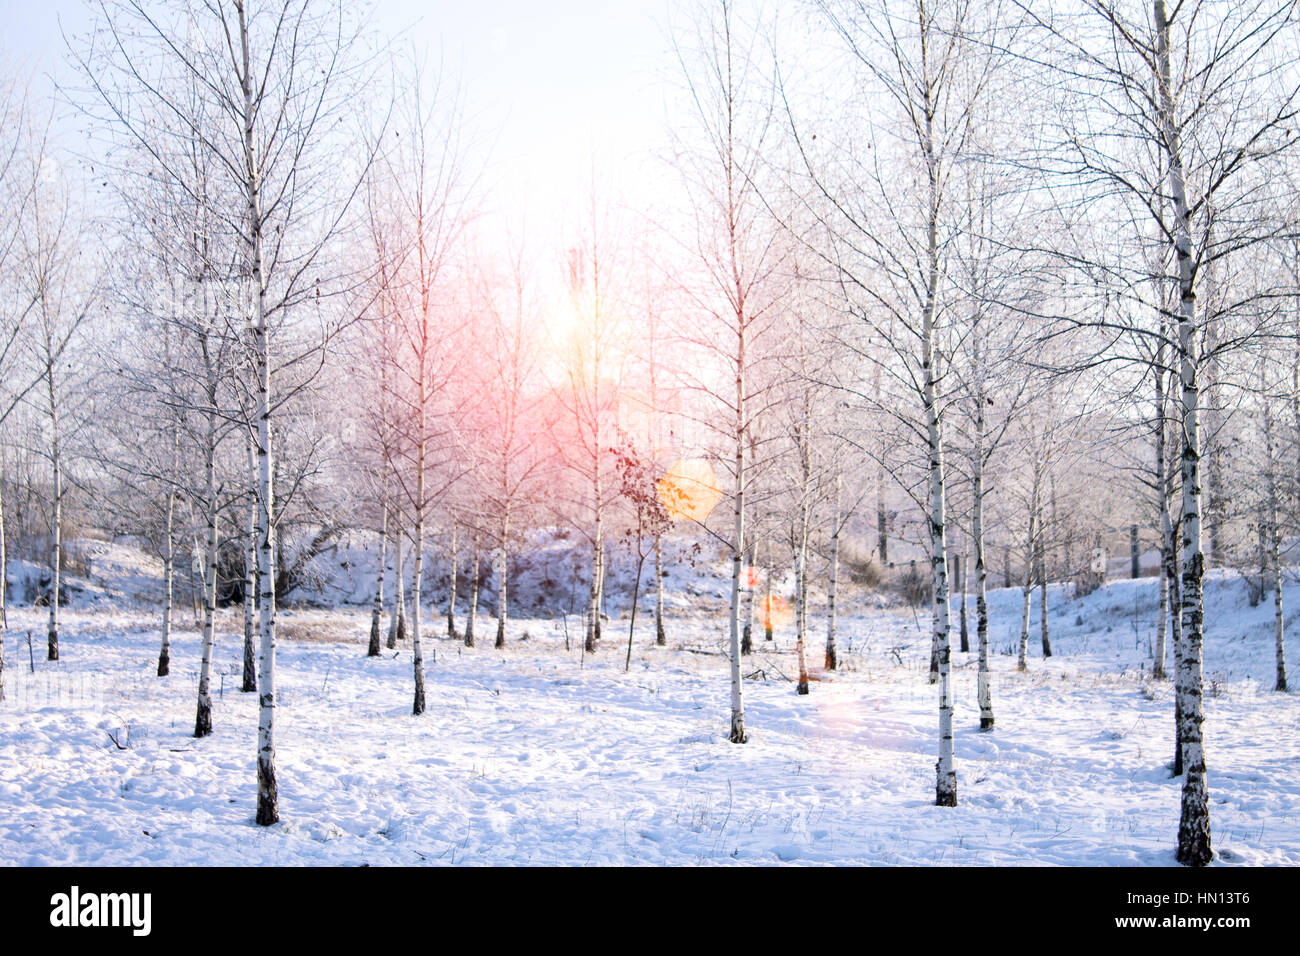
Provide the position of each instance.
(778, 670)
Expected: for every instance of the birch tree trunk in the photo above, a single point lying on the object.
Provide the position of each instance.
(596, 591)
(473, 598)
(169, 563)
(961, 583)
(502, 585)
(1027, 591)
(747, 633)
(945, 768)
(1275, 548)
(801, 589)
(4, 583)
(1194, 821)
(377, 611)
(882, 516)
(417, 574)
(661, 639)
(737, 733)
(984, 684)
(4, 570)
(832, 652)
(767, 598)
(1279, 628)
(451, 599)
(268, 795)
(1162, 504)
(397, 623)
(1042, 586)
(203, 715)
(1176, 636)
(934, 655)
(56, 544)
(249, 683)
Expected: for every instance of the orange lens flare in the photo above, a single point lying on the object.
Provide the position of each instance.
(776, 612)
(689, 491)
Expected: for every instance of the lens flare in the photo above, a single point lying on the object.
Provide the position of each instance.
(776, 613)
(689, 491)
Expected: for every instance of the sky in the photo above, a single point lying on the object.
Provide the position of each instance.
(558, 95)
(555, 89)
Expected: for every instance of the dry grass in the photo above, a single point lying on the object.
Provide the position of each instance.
(308, 626)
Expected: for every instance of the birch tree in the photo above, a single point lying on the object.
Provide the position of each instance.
(889, 251)
(19, 177)
(1195, 101)
(737, 248)
(279, 79)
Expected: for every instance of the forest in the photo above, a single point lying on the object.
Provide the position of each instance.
(924, 335)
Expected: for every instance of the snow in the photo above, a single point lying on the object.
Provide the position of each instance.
(538, 755)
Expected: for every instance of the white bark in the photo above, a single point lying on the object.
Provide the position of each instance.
(660, 638)
(377, 611)
(397, 623)
(473, 598)
(169, 564)
(984, 683)
(268, 797)
(832, 651)
(1162, 506)
(203, 715)
(737, 732)
(1274, 545)
(451, 598)
(56, 523)
(1194, 822)
(249, 683)
(502, 584)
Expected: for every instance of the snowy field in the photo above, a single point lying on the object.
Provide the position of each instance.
(536, 755)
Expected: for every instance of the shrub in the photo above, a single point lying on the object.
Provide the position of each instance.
(915, 586)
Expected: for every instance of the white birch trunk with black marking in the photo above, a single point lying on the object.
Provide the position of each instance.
(595, 592)
(1161, 651)
(832, 651)
(268, 794)
(169, 564)
(377, 610)
(983, 680)
(1274, 547)
(1194, 820)
(56, 523)
(945, 767)
(473, 597)
(397, 623)
(503, 557)
(417, 573)
(747, 632)
(1042, 587)
(767, 598)
(203, 715)
(249, 683)
(1026, 591)
(737, 732)
(451, 597)
(801, 596)
(661, 639)
(4, 583)
(4, 571)
(961, 583)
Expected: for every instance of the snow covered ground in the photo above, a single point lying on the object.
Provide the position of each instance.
(538, 755)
